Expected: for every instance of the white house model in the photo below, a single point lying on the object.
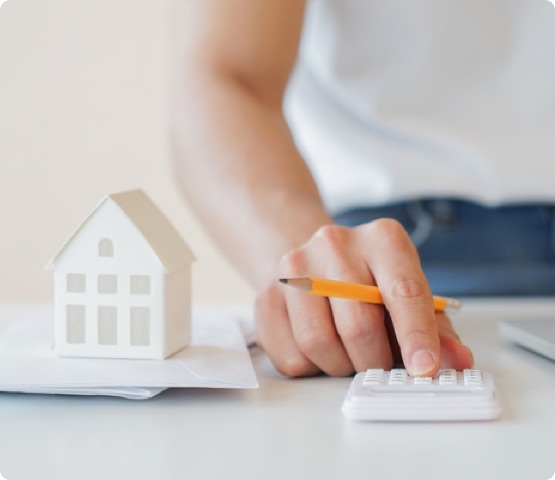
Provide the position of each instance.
(123, 283)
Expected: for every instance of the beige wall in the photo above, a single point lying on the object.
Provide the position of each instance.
(83, 112)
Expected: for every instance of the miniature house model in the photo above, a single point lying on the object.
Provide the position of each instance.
(123, 283)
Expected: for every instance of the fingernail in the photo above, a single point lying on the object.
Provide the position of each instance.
(422, 363)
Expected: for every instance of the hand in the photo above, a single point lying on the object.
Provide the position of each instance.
(306, 335)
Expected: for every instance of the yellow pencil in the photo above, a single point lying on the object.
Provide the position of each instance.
(353, 291)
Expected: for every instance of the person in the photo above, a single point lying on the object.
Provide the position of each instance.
(398, 144)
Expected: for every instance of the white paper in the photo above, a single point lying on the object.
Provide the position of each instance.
(217, 358)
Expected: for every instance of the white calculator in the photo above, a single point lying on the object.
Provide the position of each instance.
(451, 395)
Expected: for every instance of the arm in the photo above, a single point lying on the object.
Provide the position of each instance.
(239, 168)
(230, 134)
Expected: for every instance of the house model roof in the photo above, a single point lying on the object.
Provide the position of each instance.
(173, 253)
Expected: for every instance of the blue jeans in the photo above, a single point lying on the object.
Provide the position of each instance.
(470, 250)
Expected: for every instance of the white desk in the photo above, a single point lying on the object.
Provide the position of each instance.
(290, 429)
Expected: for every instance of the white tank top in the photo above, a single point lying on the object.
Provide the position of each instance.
(394, 100)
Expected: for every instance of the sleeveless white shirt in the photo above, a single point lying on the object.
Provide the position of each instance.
(395, 100)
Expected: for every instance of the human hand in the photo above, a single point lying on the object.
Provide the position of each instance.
(306, 335)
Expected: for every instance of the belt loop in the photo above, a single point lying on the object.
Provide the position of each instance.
(423, 222)
(443, 211)
(551, 232)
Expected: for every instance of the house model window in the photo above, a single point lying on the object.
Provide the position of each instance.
(107, 283)
(135, 304)
(107, 325)
(76, 282)
(139, 285)
(105, 248)
(75, 328)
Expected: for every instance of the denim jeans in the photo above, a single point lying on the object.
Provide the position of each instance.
(470, 250)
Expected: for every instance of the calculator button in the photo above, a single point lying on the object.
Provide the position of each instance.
(423, 380)
(398, 376)
(373, 376)
(472, 376)
(448, 377)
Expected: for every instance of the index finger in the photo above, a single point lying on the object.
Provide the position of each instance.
(395, 264)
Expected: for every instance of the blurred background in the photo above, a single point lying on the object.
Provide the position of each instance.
(84, 109)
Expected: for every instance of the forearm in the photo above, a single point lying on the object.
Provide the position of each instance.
(239, 167)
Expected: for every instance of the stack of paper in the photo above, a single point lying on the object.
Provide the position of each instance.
(217, 358)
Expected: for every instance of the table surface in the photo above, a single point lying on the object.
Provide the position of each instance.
(289, 429)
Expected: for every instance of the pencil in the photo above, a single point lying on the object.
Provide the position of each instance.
(353, 291)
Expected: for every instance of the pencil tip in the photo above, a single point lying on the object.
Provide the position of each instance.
(301, 283)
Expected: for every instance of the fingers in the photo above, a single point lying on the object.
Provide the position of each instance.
(274, 334)
(311, 319)
(337, 336)
(406, 295)
(359, 326)
(305, 335)
(314, 331)
(363, 333)
(453, 353)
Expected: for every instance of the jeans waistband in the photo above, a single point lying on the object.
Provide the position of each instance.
(515, 227)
